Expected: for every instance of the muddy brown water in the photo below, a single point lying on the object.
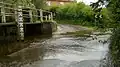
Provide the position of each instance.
(58, 51)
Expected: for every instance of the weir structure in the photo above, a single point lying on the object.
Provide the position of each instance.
(18, 21)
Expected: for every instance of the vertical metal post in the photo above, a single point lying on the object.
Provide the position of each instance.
(46, 18)
(3, 13)
(20, 24)
(30, 15)
(15, 14)
(51, 16)
(41, 15)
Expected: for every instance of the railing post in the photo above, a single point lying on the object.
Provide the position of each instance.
(20, 24)
(51, 16)
(3, 13)
(46, 18)
(15, 14)
(30, 15)
(41, 15)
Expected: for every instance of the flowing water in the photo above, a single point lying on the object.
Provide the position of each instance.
(60, 51)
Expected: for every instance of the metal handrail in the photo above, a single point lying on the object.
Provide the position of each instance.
(4, 14)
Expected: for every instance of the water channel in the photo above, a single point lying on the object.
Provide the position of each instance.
(59, 51)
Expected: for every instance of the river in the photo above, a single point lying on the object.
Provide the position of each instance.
(60, 51)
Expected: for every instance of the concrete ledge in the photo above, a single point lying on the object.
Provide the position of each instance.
(54, 26)
(46, 28)
(7, 32)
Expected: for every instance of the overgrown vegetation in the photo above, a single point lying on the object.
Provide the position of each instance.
(79, 13)
(114, 47)
(113, 6)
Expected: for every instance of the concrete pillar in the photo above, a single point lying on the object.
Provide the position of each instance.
(46, 28)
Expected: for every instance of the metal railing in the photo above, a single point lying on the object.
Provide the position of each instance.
(10, 11)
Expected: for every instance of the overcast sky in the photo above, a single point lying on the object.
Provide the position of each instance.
(87, 1)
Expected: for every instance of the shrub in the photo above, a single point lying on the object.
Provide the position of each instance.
(79, 13)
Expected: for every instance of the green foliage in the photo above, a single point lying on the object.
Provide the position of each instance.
(114, 47)
(114, 7)
(106, 20)
(79, 13)
(76, 12)
(39, 3)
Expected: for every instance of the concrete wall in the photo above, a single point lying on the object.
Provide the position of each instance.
(48, 27)
(39, 29)
(9, 32)
(32, 29)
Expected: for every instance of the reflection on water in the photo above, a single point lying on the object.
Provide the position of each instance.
(22, 57)
(27, 55)
(10, 47)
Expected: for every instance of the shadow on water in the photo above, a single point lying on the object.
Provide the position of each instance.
(22, 57)
(9, 47)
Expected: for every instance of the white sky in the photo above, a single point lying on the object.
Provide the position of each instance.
(86, 1)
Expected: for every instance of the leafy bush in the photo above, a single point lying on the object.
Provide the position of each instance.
(79, 13)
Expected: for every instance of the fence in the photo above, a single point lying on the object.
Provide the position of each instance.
(10, 13)
(19, 15)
